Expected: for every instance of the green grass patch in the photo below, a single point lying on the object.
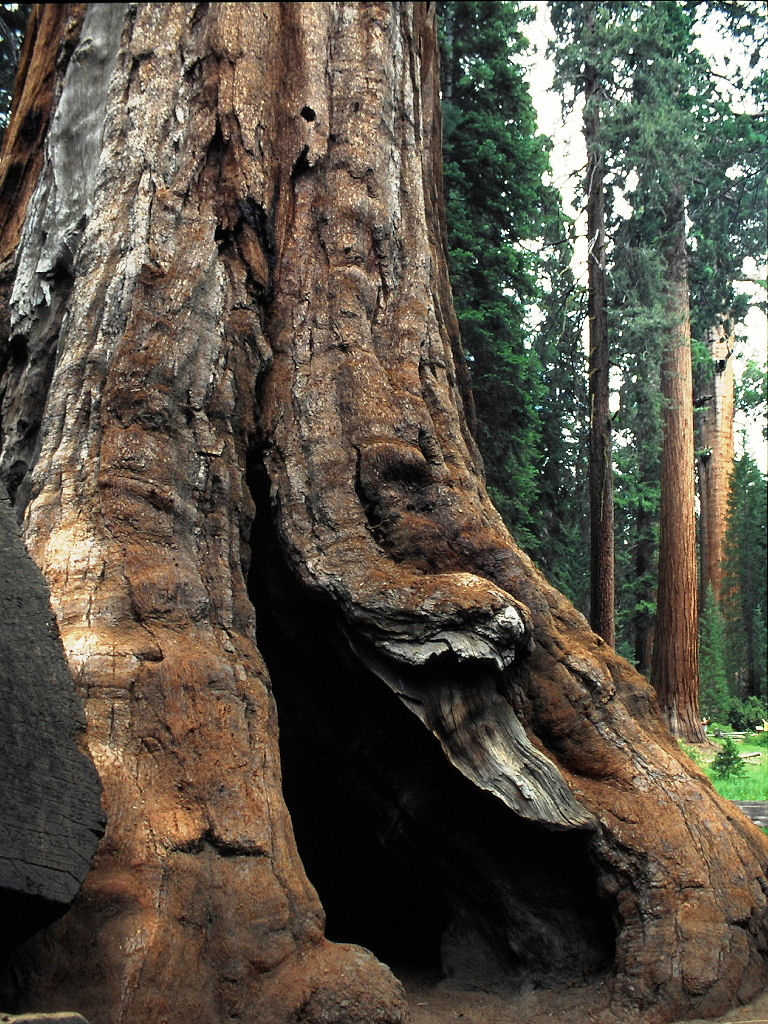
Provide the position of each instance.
(752, 783)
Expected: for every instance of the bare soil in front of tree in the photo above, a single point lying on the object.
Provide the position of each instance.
(444, 1002)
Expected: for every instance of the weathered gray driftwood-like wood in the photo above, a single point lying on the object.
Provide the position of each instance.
(50, 812)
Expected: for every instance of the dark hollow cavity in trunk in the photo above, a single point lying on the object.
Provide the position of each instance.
(409, 858)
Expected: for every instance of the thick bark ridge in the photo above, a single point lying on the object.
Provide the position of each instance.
(675, 661)
(259, 398)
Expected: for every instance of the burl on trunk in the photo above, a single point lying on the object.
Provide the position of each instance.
(237, 424)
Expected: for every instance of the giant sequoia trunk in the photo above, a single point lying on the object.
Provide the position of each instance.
(715, 458)
(234, 415)
(675, 661)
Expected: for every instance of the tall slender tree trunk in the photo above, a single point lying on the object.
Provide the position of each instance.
(715, 460)
(645, 552)
(448, 63)
(601, 546)
(247, 473)
(674, 668)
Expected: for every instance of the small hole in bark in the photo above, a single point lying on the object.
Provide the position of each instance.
(31, 125)
(17, 349)
(302, 165)
(216, 147)
(308, 113)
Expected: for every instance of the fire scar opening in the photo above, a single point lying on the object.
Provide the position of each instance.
(409, 858)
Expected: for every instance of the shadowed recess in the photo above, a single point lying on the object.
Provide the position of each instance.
(408, 857)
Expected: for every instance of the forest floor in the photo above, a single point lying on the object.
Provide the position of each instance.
(752, 784)
(444, 1003)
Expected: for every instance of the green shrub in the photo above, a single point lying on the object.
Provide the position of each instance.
(728, 762)
(713, 687)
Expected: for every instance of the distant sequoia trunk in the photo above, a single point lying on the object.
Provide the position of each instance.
(675, 658)
(236, 423)
(715, 457)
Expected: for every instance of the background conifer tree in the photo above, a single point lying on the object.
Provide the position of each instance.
(744, 586)
(714, 700)
(494, 160)
(13, 21)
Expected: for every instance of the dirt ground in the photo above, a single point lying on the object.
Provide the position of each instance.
(444, 1003)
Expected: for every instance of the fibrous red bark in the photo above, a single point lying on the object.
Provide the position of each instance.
(715, 459)
(675, 660)
(259, 400)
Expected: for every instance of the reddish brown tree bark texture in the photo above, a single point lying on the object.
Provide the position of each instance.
(715, 459)
(259, 401)
(675, 659)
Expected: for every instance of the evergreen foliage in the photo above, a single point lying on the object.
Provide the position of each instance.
(745, 588)
(561, 525)
(751, 393)
(728, 762)
(13, 21)
(637, 322)
(714, 700)
(727, 208)
(670, 126)
(496, 205)
(746, 715)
